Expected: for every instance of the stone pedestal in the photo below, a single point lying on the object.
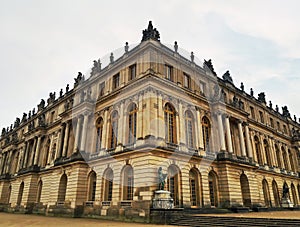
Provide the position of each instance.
(162, 200)
(286, 203)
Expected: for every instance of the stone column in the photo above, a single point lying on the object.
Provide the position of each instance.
(181, 122)
(161, 118)
(50, 149)
(272, 151)
(37, 151)
(77, 134)
(200, 135)
(140, 116)
(248, 142)
(221, 132)
(8, 162)
(105, 128)
(66, 139)
(121, 126)
(25, 155)
(228, 134)
(61, 142)
(288, 158)
(32, 155)
(242, 140)
(84, 130)
(21, 158)
(1, 163)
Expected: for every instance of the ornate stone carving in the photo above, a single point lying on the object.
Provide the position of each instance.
(41, 120)
(150, 33)
(207, 65)
(251, 92)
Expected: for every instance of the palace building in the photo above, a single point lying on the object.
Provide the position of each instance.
(97, 147)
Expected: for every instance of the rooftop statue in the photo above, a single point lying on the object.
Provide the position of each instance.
(79, 78)
(285, 112)
(262, 97)
(150, 33)
(41, 105)
(226, 76)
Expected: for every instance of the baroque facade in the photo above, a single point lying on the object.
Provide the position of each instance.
(96, 149)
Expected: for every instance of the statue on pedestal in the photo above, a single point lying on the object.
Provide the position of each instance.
(161, 179)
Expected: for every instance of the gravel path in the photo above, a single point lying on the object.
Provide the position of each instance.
(14, 220)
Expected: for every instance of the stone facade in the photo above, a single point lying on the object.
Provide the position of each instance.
(95, 150)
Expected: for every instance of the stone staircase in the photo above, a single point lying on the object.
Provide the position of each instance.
(191, 220)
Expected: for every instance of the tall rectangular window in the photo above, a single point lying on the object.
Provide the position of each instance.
(202, 86)
(278, 126)
(101, 89)
(261, 115)
(187, 80)
(284, 129)
(132, 72)
(116, 81)
(252, 113)
(169, 72)
(271, 122)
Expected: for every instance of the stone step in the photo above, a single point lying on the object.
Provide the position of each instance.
(232, 221)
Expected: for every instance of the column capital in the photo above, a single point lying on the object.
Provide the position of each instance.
(240, 121)
(245, 123)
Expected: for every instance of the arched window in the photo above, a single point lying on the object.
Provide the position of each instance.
(258, 151)
(62, 188)
(295, 200)
(206, 133)
(39, 191)
(128, 183)
(213, 188)
(246, 196)
(99, 127)
(276, 193)
(92, 179)
(267, 198)
(174, 183)
(298, 187)
(107, 185)
(189, 129)
(267, 152)
(20, 194)
(170, 123)
(114, 130)
(132, 123)
(195, 187)
(9, 193)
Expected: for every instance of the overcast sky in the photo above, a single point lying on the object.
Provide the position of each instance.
(43, 44)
